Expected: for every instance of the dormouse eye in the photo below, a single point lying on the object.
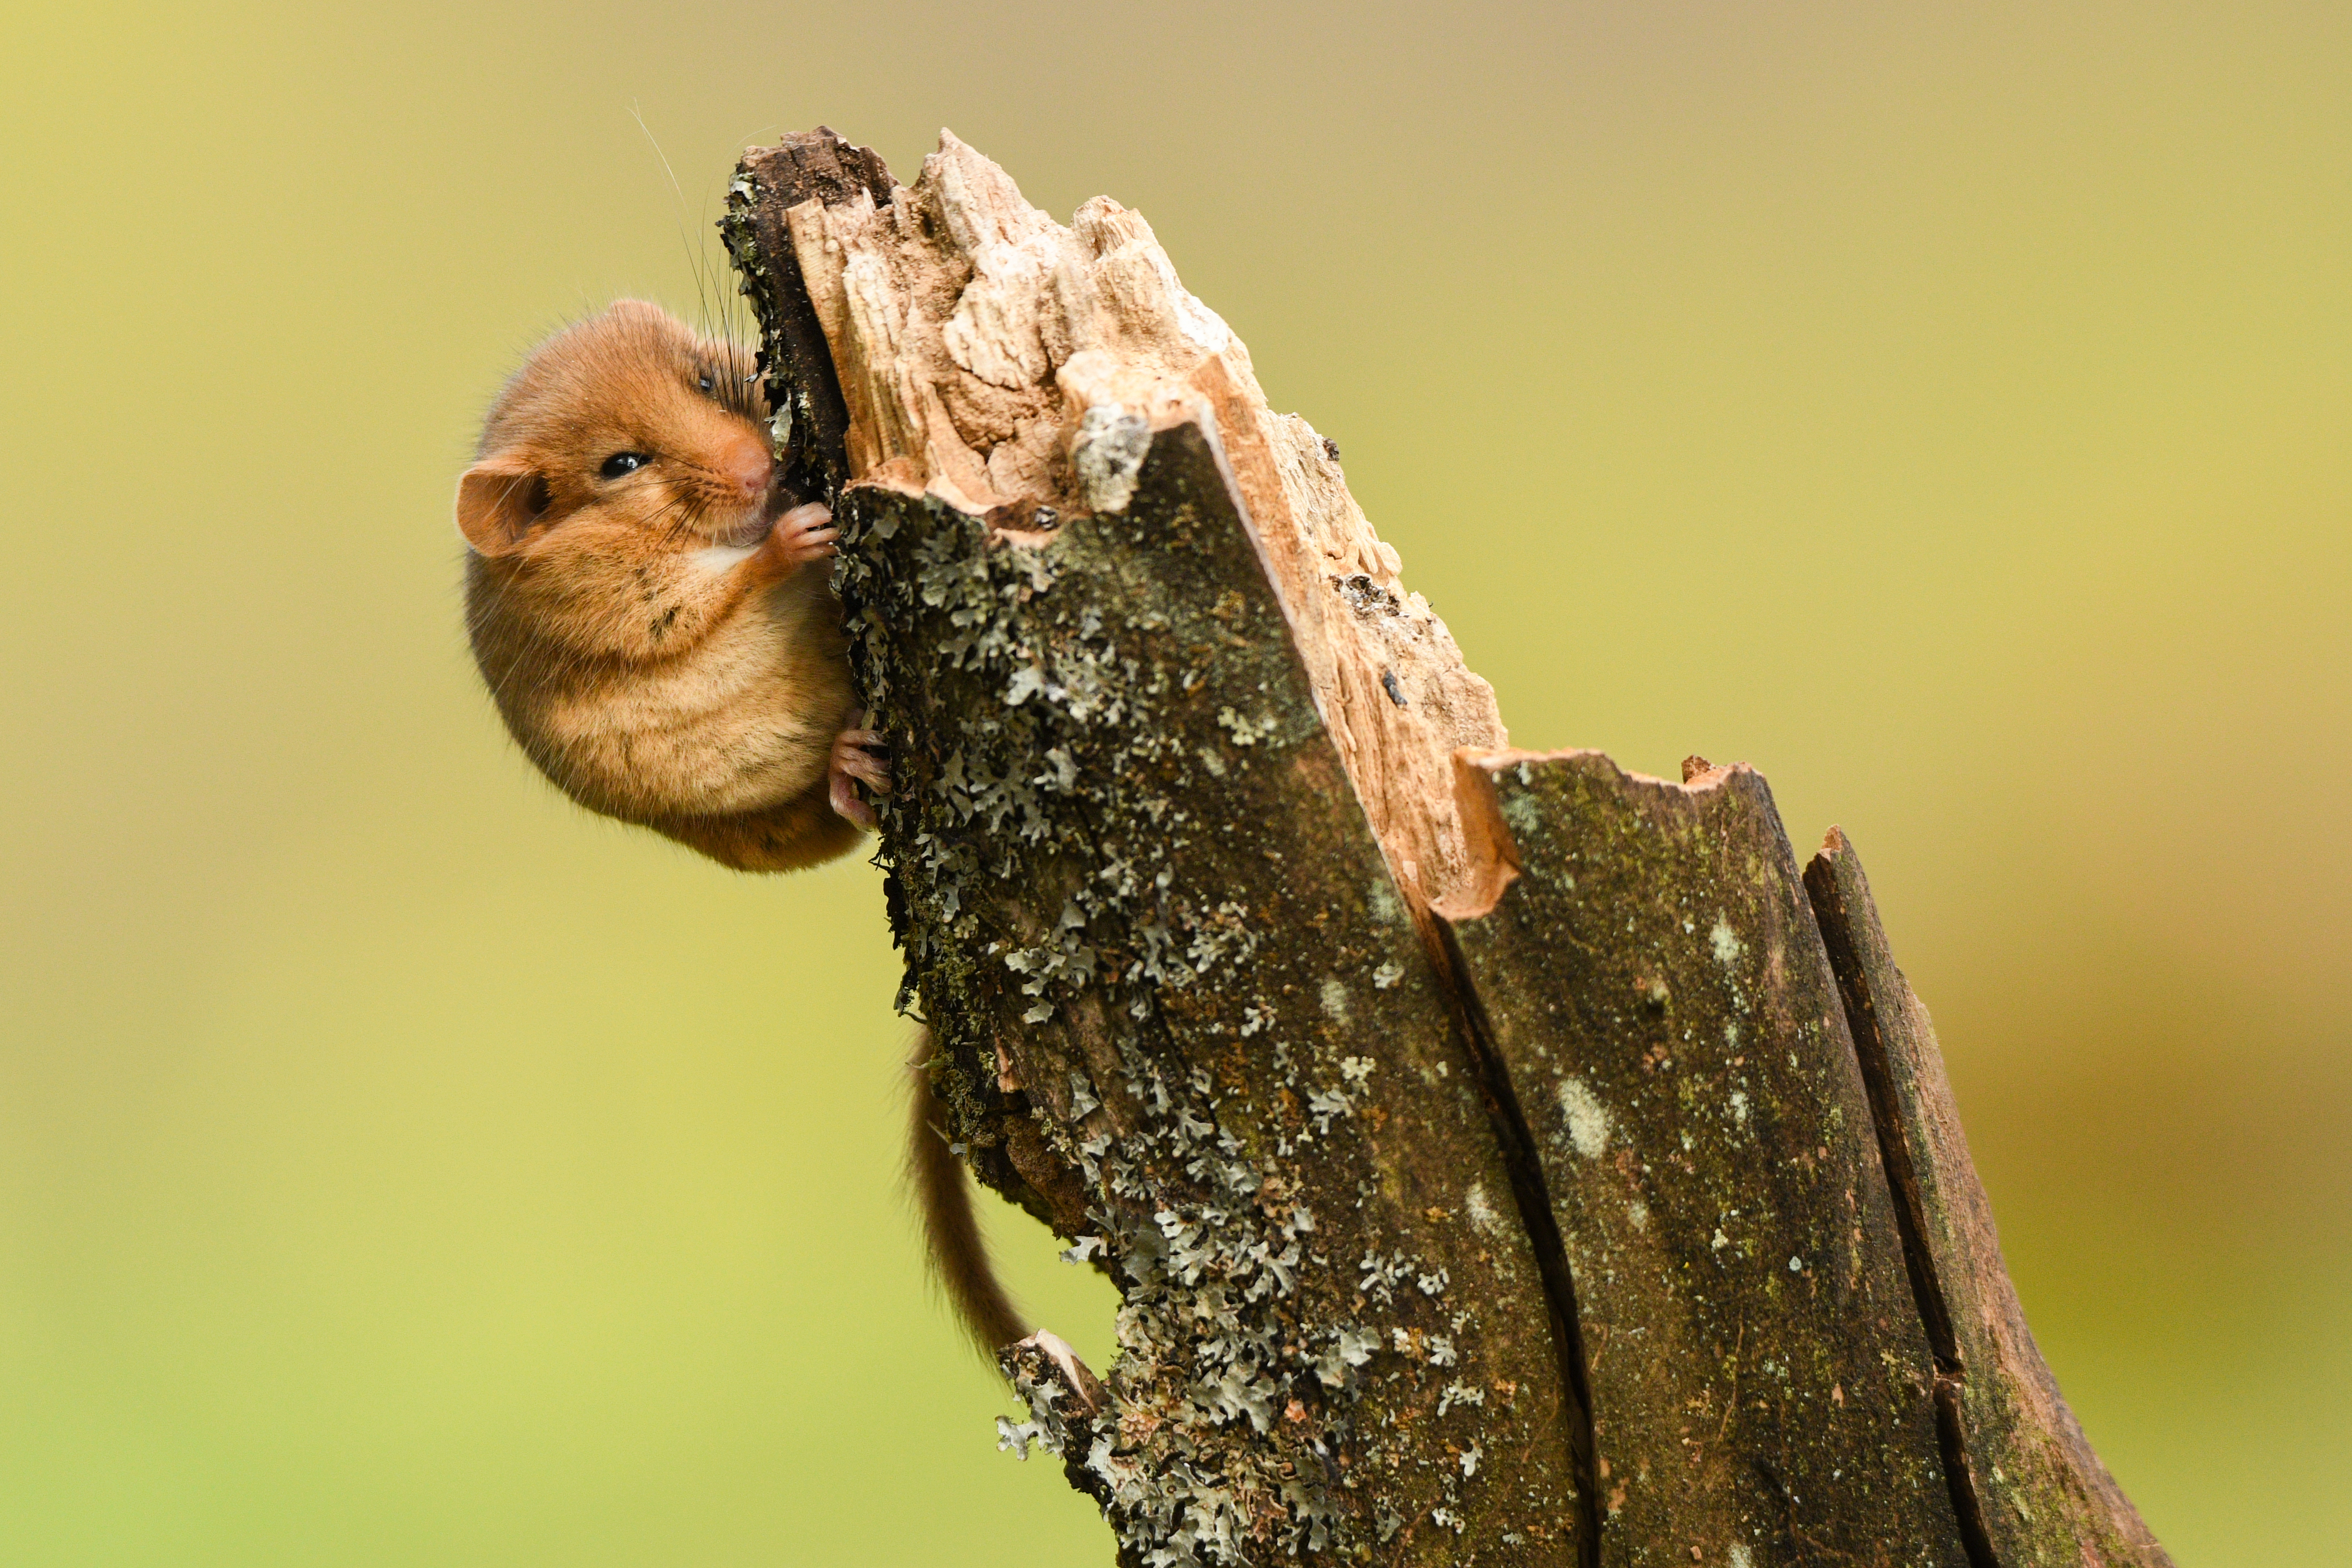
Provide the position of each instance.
(621, 463)
(706, 380)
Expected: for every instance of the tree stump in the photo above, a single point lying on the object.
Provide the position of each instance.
(1478, 1139)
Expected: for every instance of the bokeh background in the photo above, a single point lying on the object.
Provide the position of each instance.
(1943, 408)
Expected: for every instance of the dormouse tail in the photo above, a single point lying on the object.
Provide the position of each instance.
(958, 1254)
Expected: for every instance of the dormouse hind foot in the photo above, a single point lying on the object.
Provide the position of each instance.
(803, 534)
(858, 755)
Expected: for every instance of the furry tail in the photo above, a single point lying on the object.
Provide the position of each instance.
(959, 1255)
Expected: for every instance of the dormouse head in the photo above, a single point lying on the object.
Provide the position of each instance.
(624, 436)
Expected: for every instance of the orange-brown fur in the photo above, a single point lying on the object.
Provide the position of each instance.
(705, 696)
(646, 680)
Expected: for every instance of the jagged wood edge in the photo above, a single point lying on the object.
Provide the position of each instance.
(809, 421)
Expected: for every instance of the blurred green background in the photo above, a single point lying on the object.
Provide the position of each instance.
(1943, 408)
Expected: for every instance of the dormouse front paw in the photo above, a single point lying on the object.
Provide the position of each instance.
(803, 534)
(858, 754)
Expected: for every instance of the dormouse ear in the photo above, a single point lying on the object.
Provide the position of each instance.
(498, 501)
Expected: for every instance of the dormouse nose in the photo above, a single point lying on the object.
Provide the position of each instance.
(748, 465)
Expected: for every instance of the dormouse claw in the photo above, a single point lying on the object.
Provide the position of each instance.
(858, 755)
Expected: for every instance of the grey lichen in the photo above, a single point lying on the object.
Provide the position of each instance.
(1081, 896)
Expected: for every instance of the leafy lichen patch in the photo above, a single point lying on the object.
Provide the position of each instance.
(1089, 912)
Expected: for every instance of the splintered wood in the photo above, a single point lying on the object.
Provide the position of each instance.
(1503, 1159)
(1005, 363)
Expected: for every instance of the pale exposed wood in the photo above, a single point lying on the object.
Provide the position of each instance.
(979, 342)
(810, 424)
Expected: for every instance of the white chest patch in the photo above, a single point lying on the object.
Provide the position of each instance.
(716, 558)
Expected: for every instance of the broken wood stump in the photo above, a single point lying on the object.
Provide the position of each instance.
(1502, 1159)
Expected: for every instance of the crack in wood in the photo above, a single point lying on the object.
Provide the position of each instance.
(2025, 1484)
(1643, 965)
(1541, 1222)
(1863, 1024)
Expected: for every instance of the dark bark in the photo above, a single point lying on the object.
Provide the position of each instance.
(1145, 917)
(1487, 1169)
(810, 422)
(2021, 1465)
(1652, 983)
